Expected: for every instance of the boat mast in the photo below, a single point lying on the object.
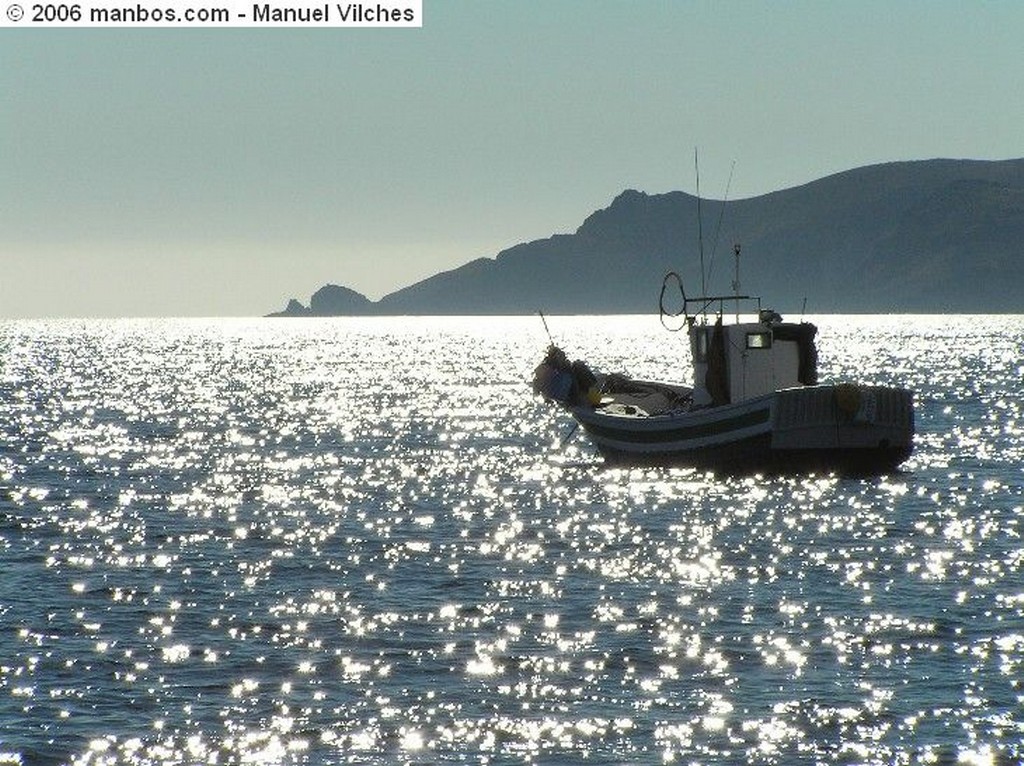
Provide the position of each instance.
(700, 239)
(736, 280)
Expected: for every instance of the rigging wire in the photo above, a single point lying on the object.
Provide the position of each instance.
(718, 228)
(548, 331)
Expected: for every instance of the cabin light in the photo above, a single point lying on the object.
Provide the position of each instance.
(759, 340)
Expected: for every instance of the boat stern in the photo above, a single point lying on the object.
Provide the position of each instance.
(868, 428)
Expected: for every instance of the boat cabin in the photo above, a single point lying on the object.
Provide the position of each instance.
(755, 355)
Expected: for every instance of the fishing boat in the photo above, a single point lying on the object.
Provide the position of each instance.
(755, 404)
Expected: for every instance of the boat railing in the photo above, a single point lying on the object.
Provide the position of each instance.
(716, 305)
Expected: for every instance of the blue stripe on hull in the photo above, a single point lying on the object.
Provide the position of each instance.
(811, 434)
(670, 434)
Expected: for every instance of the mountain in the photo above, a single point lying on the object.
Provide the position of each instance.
(925, 236)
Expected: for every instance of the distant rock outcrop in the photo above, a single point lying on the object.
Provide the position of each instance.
(927, 236)
(293, 309)
(329, 300)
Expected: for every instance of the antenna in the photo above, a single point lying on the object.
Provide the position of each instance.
(700, 228)
(736, 281)
(718, 227)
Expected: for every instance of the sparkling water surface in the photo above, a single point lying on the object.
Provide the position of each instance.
(365, 541)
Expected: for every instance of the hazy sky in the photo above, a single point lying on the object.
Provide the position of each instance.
(220, 172)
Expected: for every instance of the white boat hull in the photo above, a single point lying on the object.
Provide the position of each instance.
(843, 428)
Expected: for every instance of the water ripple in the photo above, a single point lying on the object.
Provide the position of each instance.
(363, 541)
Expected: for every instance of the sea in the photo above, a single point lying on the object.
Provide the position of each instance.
(365, 541)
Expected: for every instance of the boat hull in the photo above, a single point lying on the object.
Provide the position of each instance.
(846, 429)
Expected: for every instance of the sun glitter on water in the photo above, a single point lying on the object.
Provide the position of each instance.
(363, 541)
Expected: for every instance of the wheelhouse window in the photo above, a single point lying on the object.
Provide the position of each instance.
(759, 340)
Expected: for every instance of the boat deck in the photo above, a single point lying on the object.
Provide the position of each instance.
(642, 398)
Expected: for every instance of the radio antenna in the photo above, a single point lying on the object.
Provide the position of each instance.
(718, 228)
(700, 228)
(736, 280)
